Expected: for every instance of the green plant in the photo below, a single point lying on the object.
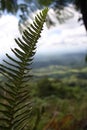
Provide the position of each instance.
(15, 101)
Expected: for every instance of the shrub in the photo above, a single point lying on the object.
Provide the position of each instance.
(45, 88)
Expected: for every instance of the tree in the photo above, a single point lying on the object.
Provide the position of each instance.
(82, 5)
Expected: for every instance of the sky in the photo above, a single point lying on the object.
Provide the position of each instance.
(8, 31)
(63, 38)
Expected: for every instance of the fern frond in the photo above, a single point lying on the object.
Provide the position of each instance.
(15, 103)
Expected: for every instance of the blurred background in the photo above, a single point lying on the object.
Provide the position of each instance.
(59, 84)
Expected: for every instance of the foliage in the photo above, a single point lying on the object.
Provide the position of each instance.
(68, 122)
(68, 99)
(45, 88)
(10, 6)
(16, 103)
(45, 2)
(60, 2)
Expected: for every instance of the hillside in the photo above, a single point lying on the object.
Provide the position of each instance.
(73, 60)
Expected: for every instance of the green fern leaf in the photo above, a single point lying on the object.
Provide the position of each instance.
(15, 103)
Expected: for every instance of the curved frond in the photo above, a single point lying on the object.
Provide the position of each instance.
(15, 102)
